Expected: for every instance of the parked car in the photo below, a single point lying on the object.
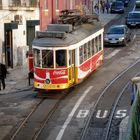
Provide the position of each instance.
(117, 7)
(117, 35)
(124, 1)
(133, 19)
(137, 3)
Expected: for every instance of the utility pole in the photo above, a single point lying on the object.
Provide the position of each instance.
(91, 2)
(99, 8)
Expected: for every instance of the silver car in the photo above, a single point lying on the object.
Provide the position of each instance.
(117, 35)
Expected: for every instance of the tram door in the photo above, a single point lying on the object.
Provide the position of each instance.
(71, 66)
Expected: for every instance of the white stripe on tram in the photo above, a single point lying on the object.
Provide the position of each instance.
(61, 132)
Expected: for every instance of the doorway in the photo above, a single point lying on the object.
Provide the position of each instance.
(8, 48)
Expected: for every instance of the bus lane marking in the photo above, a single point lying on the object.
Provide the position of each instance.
(61, 132)
(82, 113)
(118, 114)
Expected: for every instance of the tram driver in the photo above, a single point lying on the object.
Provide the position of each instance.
(61, 57)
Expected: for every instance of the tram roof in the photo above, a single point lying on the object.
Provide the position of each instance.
(74, 37)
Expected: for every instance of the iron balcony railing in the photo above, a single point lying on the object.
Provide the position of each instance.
(23, 3)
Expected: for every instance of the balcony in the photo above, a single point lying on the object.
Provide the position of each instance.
(28, 5)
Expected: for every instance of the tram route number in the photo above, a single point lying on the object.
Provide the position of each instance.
(102, 114)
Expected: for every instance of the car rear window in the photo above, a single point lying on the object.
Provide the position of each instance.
(116, 31)
(134, 15)
(118, 3)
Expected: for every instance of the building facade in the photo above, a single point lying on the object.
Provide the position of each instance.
(50, 10)
(19, 20)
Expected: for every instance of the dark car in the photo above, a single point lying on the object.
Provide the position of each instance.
(117, 7)
(133, 19)
(137, 3)
(124, 1)
(117, 35)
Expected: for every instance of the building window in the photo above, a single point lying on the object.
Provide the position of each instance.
(76, 2)
(0, 4)
(70, 4)
(46, 4)
(65, 4)
(57, 4)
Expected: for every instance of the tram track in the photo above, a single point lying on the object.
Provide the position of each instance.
(33, 124)
(108, 133)
(100, 128)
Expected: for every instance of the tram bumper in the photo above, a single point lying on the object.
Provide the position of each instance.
(50, 86)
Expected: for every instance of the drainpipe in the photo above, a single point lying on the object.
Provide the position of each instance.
(52, 11)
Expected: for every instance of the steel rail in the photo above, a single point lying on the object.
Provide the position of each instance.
(25, 120)
(101, 95)
(48, 117)
(114, 108)
(43, 122)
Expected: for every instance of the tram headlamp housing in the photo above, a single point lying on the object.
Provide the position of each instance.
(48, 81)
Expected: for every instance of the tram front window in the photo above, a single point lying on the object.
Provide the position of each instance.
(47, 58)
(60, 58)
(37, 57)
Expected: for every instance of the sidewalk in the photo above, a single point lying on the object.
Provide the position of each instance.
(17, 79)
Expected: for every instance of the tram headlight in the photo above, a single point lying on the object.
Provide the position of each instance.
(48, 81)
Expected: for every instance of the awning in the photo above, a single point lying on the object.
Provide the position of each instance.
(11, 26)
(33, 22)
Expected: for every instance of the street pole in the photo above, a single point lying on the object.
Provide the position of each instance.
(99, 8)
(91, 7)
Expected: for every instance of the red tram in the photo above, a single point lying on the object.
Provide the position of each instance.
(64, 57)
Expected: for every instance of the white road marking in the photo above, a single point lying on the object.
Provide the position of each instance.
(112, 54)
(82, 113)
(104, 114)
(61, 132)
(99, 113)
(121, 113)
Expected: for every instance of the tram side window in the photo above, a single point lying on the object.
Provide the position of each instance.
(100, 45)
(85, 51)
(81, 54)
(96, 45)
(37, 58)
(93, 51)
(61, 58)
(89, 49)
(47, 58)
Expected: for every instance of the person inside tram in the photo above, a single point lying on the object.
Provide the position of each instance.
(60, 58)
